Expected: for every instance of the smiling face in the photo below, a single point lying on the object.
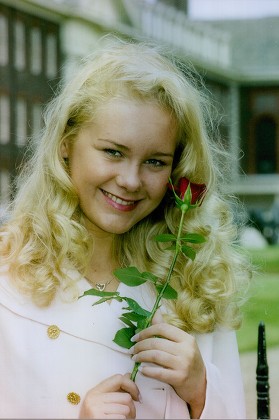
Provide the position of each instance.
(120, 164)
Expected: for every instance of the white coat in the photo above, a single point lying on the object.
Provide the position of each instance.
(39, 374)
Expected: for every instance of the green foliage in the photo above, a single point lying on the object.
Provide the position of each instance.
(168, 293)
(134, 307)
(123, 337)
(188, 251)
(129, 276)
(95, 292)
(193, 238)
(165, 237)
(105, 296)
(263, 304)
(266, 260)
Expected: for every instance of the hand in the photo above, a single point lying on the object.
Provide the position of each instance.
(111, 399)
(177, 360)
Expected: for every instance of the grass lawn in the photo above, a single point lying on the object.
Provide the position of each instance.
(263, 304)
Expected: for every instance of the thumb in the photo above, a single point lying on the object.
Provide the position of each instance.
(158, 317)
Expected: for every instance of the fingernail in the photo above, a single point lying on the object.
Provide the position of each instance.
(135, 338)
(134, 358)
(131, 350)
(140, 398)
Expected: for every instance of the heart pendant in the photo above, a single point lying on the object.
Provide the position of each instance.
(100, 286)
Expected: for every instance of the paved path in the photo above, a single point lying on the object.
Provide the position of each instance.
(248, 364)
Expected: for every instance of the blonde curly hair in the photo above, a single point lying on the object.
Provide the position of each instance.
(45, 233)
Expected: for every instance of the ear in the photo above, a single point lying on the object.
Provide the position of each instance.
(65, 149)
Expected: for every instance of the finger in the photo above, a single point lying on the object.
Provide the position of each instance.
(154, 343)
(116, 383)
(99, 404)
(111, 384)
(161, 374)
(162, 330)
(129, 386)
(160, 358)
(117, 397)
(123, 399)
(122, 409)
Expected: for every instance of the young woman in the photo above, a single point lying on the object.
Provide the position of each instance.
(90, 200)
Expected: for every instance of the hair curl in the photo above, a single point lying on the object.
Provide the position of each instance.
(45, 233)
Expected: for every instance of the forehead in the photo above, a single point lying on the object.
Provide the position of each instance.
(134, 124)
(134, 114)
(118, 108)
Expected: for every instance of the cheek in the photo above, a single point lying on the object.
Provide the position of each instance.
(159, 187)
(82, 168)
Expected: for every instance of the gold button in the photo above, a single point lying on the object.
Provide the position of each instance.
(73, 398)
(53, 332)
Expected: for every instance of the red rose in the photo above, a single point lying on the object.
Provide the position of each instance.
(197, 190)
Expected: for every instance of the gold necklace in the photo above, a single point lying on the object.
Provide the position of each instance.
(100, 286)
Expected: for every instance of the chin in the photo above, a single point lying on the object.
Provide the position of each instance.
(120, 231)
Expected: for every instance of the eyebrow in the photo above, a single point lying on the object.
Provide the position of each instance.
(123, 147)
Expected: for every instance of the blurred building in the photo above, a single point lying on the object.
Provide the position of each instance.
(42, 41)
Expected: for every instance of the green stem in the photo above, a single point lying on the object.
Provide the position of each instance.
(160, 295)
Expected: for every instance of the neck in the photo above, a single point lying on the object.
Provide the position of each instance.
(103, 261)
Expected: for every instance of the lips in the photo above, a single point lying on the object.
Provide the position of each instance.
(128, 204)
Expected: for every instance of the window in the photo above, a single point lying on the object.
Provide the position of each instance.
(260, 130)
(265, 143)
(51, 56)
(4, 52)
(20, 42)
(21, 121)
(4, 118)
(36, 51)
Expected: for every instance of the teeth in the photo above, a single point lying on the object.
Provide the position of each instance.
(118, 200)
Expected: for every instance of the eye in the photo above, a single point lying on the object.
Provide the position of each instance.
(157, 163)
(113, 152)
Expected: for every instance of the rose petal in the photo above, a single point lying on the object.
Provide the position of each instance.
(182, 186)
(198, 192)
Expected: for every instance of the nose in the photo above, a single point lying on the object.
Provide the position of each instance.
(129, 178)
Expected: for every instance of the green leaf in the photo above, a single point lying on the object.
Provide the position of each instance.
(189, 252)
(141, 325)
(149, 276)
(105, 299)
(169, 292)
(130, 276)
(95, 292)
(126, 321)
(135, 307)
(165, 237)
(194, 238)
(132, 316)
(123, 337)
